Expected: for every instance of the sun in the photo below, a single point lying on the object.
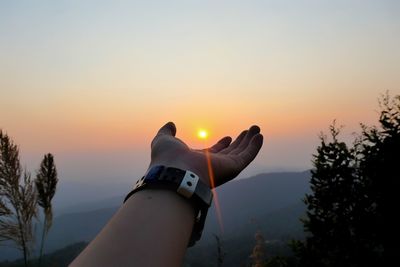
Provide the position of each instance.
(202, 134)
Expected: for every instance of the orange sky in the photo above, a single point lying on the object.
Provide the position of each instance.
(92, 82)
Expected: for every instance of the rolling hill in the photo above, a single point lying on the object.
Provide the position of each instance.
(269, 202)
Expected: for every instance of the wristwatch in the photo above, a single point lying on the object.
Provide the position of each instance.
(185, 183)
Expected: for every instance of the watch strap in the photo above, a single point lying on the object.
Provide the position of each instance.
(185, 183)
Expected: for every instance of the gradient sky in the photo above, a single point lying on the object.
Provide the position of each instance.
(92, 81)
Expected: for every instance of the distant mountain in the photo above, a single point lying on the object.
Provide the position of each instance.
(76, 227)
(246, 199)
(265, 201)
(76, 196)
(110, 202)
(277, 227)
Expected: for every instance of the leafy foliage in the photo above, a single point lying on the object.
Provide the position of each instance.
(258, 253)
(20, 196)
(220, 251)
(354, 196)
(46, 183)
(17, 198)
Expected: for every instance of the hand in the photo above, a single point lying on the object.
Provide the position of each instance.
(226, 159)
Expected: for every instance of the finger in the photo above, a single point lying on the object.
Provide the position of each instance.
(169, 129)
(246, 140)
(221, 144)
(235, 143)
(250, 152)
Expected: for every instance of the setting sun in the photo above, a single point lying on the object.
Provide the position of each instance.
(202, 134)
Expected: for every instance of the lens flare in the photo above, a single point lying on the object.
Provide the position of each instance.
(203, 134)
(214, 192)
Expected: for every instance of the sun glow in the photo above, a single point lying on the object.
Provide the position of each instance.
(202, 134)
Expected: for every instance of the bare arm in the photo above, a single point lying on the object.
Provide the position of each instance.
(154, 226)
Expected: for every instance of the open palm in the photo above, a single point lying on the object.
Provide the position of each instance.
(227, 159)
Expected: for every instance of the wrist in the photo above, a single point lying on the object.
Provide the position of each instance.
(201, 172)
(186, 184)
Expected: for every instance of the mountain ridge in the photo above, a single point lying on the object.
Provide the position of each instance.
(240, 201)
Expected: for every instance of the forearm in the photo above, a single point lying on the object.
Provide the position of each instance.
(152, 228)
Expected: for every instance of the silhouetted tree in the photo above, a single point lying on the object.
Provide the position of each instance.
(330, 206)
(17, 198)
(46, 183)
(378, 227)
(353, 201)
(258, 253)
(220, 251)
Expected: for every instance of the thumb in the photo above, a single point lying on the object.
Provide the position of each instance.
(168, 129)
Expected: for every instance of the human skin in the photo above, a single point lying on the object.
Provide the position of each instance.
(153, 227)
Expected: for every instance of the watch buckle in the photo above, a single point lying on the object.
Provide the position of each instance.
(188, 184)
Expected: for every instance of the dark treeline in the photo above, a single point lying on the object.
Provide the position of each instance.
(351, 213)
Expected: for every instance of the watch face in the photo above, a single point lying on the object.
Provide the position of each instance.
(154, 173)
